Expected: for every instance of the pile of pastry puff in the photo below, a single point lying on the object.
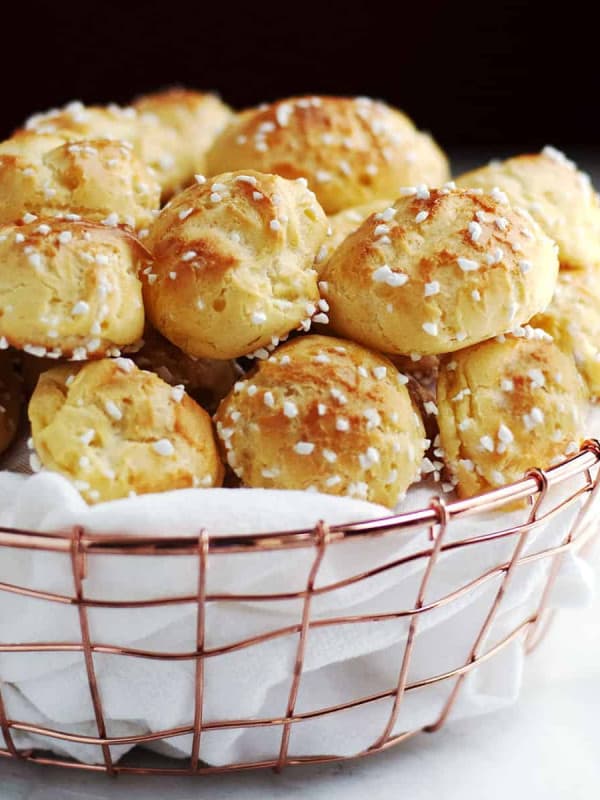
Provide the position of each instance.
(305, 272)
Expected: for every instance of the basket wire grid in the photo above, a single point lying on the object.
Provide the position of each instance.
(79, 544)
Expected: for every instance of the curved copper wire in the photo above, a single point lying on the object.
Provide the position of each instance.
(82, 545)
(443, 518)
(126, 544)
(254, 598)
(542, 480)
(79, 568)
(200, 648)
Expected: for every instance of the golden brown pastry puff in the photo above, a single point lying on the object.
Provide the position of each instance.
(505, 407)
(556, 194)
(195, 117)
(233, 264)
(342, 224)
(351, 150)
(154, 143)
(324, 414)
(31, 145)
(573, 320)
(96, 179)
(70, 288)
(437, 271)
(116, 430)
(77, 121)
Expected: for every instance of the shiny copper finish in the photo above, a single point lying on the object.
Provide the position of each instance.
(78, 564)
(200, 630)
(321, 540)
(435, 519)
(6, 732)
(475, 653)
(442, 512)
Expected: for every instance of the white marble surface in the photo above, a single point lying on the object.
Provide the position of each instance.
(544, 748)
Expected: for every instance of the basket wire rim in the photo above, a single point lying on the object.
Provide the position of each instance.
(166, 544)
(436, 518)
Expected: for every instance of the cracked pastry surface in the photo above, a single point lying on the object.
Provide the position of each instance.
(324, 414)
(342, 225)
(96, 179)
(556, 194)
(77, 121)
(116, 430)
(154, 143)
(439, 270)
(233, 260)
(31, 145)
(351, 150)
(505, 407)
(195, 118)
(573, 320)
(70, 289)
(444, 280)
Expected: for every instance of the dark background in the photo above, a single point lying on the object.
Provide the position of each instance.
(495, 75)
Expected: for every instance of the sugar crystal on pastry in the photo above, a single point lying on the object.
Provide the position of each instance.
(573, 320)
(343, 424)
(235, 296)
(154, 131)
(438, 287)
(114, 431)
(351, 150)
(196, 118)
(506, 407)
(77, 296)
(556, 194)
(100, 180)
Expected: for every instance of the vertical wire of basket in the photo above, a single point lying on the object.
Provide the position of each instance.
(77, 545)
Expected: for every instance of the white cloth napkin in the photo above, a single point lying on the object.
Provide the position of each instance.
(343, 662)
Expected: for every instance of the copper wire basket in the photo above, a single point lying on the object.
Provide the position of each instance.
(580, 473)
